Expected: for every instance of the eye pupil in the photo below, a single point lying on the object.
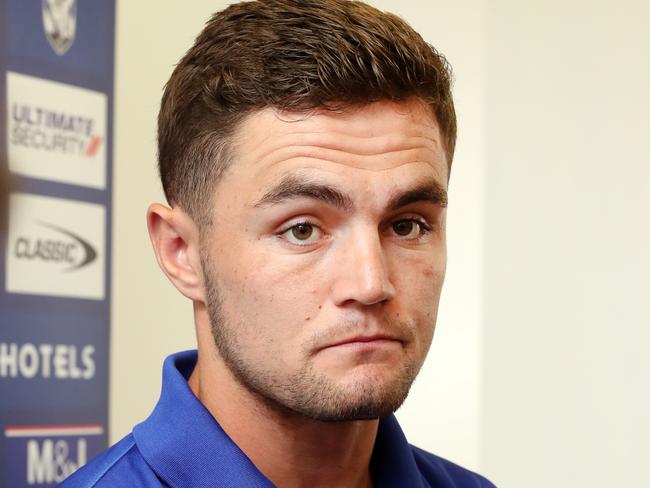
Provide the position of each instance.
(302, 232)
(403, 227)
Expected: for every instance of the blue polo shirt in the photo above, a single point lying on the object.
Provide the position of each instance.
(181, 445)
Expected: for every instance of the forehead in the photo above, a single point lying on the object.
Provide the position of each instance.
(383, 141)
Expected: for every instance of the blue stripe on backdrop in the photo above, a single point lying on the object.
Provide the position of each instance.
(56, 121)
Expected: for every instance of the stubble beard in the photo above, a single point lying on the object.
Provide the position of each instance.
(306, 392)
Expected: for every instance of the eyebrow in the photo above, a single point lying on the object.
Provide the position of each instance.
(425, 191)
(292, 187)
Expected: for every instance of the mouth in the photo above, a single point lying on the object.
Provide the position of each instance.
(366, 342)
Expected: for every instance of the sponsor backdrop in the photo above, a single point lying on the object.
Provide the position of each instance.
(56, 94)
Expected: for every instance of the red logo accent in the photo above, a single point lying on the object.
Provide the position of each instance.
(93, 145)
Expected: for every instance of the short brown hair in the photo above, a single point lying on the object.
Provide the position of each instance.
(295, 55)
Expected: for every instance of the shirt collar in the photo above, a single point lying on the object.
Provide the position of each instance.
(392, 463)
(185, 446)
(183, 443)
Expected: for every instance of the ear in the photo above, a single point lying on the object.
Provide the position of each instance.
(175, 239)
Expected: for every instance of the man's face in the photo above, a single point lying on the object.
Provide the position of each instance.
(326, 257)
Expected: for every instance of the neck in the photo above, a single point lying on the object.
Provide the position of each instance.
(289, 449)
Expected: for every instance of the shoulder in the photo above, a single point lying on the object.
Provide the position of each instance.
(116, 466)
(433, 467)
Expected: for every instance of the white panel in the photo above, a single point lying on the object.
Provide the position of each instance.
(55, 247)
(56, 131)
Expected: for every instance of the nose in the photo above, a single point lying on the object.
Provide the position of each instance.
(362, 273)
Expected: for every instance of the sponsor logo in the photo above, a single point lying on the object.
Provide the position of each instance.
(49, 454)
(49, 131)
(71, 250)
(58, 361)
(59, 23)
(55, 247)
(56, 131)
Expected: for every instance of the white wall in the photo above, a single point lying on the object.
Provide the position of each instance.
(567, 260)
(150, 320)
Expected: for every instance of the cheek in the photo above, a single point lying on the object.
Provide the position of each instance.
(277, 295)
(419, 284)
(420, 273)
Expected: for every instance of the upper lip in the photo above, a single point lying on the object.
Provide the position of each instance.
(363, 338)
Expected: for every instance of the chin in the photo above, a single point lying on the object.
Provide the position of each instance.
(364, 398)
(353, 409)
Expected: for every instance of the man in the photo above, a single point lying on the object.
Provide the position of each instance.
(305, 148)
